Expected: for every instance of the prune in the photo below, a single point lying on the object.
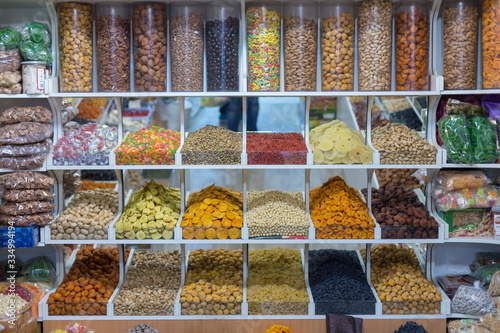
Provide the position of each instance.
(411, 327)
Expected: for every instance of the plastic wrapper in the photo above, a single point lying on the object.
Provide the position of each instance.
(450, 284)
(454, 106)
(455, 135)
(485, 273)
(28, 195)
(24, 237)
(472, 300)
(492, 104)
(68, 112)
(27, 220)
(19, 114)
(421, 175)
(494, 288)
(37, 33)
(16, 88)
(484, 140)
(10, 61)
(458, 180)
(35, 52)
(491, 321)
(26, 180)
(488, 258)
(9, 38)
(22, 163)
(39, 269)
(27, 207)
(71, 128)
(76, 328)
(481, 197)
(9, 78)
(27, 132)
(25, 150)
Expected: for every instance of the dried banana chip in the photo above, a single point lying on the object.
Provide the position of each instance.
(140, 235)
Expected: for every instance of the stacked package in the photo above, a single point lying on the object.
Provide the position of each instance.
(10, 61)
(26, 199)
(25, 133)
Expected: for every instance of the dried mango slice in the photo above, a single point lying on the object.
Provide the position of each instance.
(216, 224)
(222, 208)
(207, 201)
(230, 215)
(188, 233)
(237, 223)
(217, 214)
(211, 233)
(222, 233)
(167, 234)
(199, 233)
(234, 233)
(185, 222)
(226, 223)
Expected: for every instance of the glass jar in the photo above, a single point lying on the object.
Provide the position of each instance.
(412, 45)
(75, 46)
(337, 45)
(149, 21)
(186, 46)
(113, 46)
(300, 32)
(460, 24)
(374, 44)
(490, 39)
(263, 45)
(222, 43)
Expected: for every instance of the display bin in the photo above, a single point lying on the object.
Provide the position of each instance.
(23, 322)
(490, 38)
(460, 43)
(215, 157)
(223, 46)
(374, 33)
(266, 152)
(149, 21)
(23, 236)
(300, 44)
(337, 45)
(348, 307)
(186, 45)
(113, 46)
(263, 19)
(75, 46)
(412, 34)
(282, 308)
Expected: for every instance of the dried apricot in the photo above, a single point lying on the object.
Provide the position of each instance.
(222, 233)
(211, 233)
(188, 233)
(199, 233)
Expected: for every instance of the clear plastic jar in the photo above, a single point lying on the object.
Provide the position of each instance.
(460, 24)
(263, 45)
(412, 45)
(75, 46)
(374, 44)
(113, 46)
(149, 21)
(186, 46)
(337, 45)
(222, 43)
(490, 39)
(300, 32)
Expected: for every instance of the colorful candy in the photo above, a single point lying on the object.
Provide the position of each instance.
(152, 145)
(90, 145)
(263, 40)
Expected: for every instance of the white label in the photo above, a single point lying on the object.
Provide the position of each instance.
(40, 78)
(134, 104)
(496, 222)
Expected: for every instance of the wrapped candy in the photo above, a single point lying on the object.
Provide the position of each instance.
(481, 197)
(89, 145)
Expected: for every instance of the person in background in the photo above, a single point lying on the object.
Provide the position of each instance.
(235, 110)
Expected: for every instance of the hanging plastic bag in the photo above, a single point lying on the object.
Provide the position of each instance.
(39, 269)
(472, 300)
(459, 180)
(484, 140)
(9, 38)
(485, 273)
(453, 130)
(37, 33)
(35, 52)
(492, 104)
(454, 106)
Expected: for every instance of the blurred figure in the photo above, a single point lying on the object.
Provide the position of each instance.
(235, 110)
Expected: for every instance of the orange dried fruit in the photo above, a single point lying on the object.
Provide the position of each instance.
(216, 224)
(211, 233)
(199, 233)
(226, 223)
(188, 233)
(234, 233)
(230, 215)
(237, 223)
(222, 233)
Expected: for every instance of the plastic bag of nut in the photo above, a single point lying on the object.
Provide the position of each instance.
(25, 150)
(26, 132)
(22, 162)
(9, 79)
(473, 300)
(26, 180)
(19, 114)
(10, 61)
(16, 88)
(27, 220)
(28, 195)
(68, 112)
(25, 208)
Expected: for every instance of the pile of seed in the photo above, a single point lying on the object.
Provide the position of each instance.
(142, 328)
(399, 144)
(154, 293)
(276, 213)
(337, 275)
(212, 145)
(276, 283)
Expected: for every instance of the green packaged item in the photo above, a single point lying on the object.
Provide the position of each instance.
(39, 269)
(484, 140)
(454, 132)
(37, 33)
(486, 272)
(34, 52)
(454, 106)
(9, 38)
